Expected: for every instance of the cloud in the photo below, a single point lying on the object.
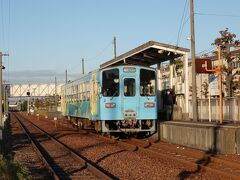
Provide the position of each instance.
(37, 76)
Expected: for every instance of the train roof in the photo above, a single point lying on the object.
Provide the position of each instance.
(147, 54)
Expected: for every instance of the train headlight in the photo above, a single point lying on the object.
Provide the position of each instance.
(149, 104)
(110, 105)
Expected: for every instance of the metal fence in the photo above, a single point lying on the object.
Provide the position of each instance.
(54, 112)
(231, 109)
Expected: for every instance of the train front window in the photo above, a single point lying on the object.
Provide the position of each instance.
(129, 87)
(110, 83)
(147, 82)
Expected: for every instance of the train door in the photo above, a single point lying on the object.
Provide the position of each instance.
(129, 98)
(110, 102)
(148, 94)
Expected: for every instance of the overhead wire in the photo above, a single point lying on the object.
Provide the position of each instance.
(206, 51)
(182, 22)
(3, 27)
(5, 33)
(222, 15)
(9, 24)
(8, 41)
(100, 53)
(96, 56)
(210, 50)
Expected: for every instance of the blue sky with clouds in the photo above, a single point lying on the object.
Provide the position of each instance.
(45, 37)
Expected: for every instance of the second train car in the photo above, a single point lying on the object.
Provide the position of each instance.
(117, 99)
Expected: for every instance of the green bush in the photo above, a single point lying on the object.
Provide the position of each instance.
(13, 170)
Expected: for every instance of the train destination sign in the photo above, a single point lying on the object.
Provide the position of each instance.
(129, 70)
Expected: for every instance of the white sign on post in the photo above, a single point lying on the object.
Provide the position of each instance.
(213, 84)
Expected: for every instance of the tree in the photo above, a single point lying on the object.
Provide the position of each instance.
(179, 66)
(37, 103)
(24, 106)
(226, 42)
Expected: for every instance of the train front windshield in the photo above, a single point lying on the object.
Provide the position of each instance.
(110, 83)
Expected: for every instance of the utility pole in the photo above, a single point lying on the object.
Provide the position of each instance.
(5, 99)
(1, 68)
(194, 85)
(115, 47)
(82, 65)
(66, 78)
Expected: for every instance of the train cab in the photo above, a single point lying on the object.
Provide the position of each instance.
(128, 99)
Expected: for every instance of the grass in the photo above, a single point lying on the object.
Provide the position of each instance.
(43, 112)
(10, 169)
(13, 170)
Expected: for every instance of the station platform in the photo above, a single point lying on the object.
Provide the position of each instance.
(205, 136)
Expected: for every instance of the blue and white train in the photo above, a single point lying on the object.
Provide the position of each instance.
(117, 99)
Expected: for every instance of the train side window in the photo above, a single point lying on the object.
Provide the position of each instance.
(88, 95)
(147, 82)
(129, 87)
(110, 83)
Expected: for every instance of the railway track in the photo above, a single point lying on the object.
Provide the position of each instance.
(199, 161)
(196, 160)
(62, 161)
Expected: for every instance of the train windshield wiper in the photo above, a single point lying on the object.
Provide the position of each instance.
(113, 95)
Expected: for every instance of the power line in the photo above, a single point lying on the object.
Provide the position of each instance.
(182, 23)
(9, 23)
(206, 51)
(187, 19)
(221, 15)
(2, 14)
(96, 56)
(100, 53)
(9, 36)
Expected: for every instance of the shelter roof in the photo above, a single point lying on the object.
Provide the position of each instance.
(147, 54)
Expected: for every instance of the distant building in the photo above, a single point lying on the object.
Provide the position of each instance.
(202, 79)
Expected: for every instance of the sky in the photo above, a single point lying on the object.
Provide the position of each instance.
(46, 37)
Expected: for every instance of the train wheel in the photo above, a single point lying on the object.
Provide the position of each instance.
(141, 135)
(80, 125)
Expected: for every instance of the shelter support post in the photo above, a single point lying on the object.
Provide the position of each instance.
(171, 75)
(159, 85)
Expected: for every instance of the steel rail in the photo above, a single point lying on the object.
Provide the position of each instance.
(142, 145)
(154, 149)
(186, 152)
(94, 168)
(37, 149)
